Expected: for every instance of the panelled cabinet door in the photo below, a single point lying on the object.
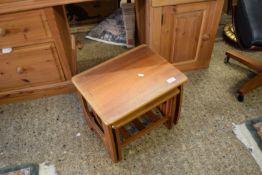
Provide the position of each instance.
(186, 34)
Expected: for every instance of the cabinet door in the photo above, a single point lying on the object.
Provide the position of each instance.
(184, 33)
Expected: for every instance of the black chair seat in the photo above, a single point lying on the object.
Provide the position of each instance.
(248, 22)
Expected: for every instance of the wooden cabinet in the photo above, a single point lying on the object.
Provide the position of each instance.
(36, 55)
(183, 32)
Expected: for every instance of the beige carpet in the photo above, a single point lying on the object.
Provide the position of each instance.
(52, 129)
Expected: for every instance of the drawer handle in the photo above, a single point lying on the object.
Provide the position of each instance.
(2, 32)
(20, 70)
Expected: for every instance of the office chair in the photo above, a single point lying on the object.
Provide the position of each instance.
(248, 29)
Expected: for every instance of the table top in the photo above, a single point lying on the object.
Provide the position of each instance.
(121, 85)
(8, 6)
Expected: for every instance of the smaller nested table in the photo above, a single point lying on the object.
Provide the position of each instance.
(129, 95)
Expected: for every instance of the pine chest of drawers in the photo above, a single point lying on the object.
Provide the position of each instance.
(37, 54)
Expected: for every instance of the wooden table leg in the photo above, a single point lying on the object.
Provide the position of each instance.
(118, 144)
(169, 111)
(179, 101)
(110, 142)
(85, 108)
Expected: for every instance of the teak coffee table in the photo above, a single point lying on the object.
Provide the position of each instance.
(129, 95)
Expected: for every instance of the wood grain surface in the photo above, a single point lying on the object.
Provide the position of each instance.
(8, 6)
(182, 31)
(125, 83)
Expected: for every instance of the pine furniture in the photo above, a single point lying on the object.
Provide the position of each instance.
(38, 54)
(129, 95)
(182, 31)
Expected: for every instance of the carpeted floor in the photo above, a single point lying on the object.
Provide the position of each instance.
(52, 129)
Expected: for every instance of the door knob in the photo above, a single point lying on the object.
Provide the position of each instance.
(20, 70)
(2, 32)
(206, 37)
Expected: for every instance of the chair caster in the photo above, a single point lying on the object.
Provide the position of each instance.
(240, 98)
(226, 60)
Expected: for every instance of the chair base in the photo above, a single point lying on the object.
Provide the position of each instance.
(251, 63)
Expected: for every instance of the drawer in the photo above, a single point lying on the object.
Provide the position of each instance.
(159, 3)
(8, 1)
(30, 66)
(21, 28)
